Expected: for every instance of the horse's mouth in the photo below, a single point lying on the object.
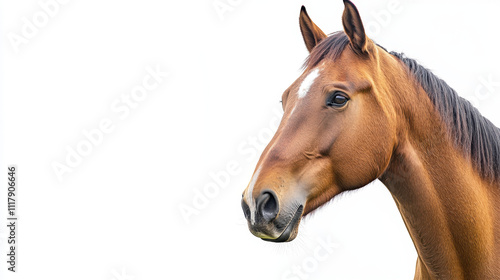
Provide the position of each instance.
(291, 230)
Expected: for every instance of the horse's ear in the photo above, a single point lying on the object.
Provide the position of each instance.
(311, 33)
(353, 27)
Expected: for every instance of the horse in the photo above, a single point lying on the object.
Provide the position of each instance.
(359, 113)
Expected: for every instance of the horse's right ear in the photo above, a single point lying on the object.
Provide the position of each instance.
(353, 27)
(311, 33)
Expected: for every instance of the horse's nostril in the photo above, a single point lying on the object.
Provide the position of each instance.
(267, 205)
(269, 210)
(246, 209)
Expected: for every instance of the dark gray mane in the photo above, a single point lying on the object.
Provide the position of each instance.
(475, 135)
(329, 48)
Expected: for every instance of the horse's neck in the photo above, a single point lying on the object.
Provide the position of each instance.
(452, 215)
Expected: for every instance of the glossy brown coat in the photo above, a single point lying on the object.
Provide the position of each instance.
(389, 129)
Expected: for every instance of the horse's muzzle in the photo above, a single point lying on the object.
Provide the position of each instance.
(268, 221)
(291, 229)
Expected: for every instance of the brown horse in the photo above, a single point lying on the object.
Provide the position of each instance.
(359, 113)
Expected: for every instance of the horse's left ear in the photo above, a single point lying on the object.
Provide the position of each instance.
(353, 27)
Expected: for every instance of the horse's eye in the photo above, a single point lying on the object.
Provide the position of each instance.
(337, 99)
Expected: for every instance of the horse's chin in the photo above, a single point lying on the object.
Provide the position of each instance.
(291, 230)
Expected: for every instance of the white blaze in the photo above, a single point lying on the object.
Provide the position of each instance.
(249, 196)
(307, 83)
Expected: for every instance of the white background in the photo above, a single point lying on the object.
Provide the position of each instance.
(117, 214)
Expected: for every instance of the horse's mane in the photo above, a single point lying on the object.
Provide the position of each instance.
(475, 135)
(330, 48)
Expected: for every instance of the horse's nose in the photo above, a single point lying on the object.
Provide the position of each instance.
(266, 207)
